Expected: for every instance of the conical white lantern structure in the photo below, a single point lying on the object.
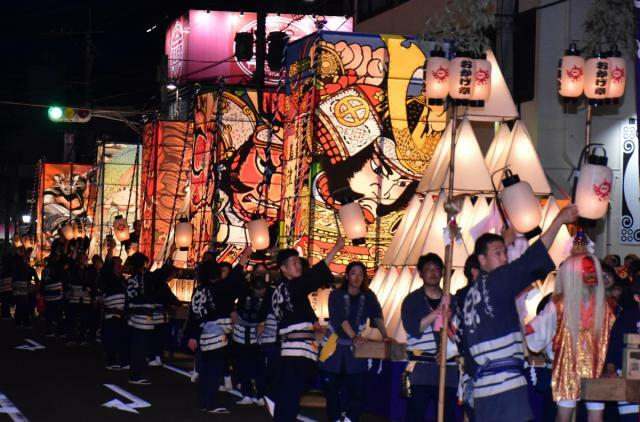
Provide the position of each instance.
(593, 188)
(558, 250)
(482, 82)
(500, 105)
(617, 75)
(461, 77)
(522, 159)
(498, 151)
(417, 235)
(436, 78)
(183, 234)
(401, 233)
(258, 233)
(471, 175)
(571, 74)
(521, 205)
(353, 222)
(432, 178)
(120, 228)
(596, 78)
(67, 230)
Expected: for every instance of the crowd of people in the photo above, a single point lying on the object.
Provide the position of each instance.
(261, 331)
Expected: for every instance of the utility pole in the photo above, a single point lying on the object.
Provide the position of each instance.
(258, 75)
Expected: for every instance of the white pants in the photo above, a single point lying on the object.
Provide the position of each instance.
(591, 405)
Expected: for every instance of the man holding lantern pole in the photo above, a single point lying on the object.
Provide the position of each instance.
(290, 302)
(487, 323)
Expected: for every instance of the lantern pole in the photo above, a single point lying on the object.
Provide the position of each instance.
(448, 258)
(587, 129)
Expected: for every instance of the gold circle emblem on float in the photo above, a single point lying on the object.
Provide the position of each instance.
(352, 111)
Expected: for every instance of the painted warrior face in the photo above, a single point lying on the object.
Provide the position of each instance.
(589, 275)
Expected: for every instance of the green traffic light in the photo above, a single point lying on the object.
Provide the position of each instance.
(55, 113)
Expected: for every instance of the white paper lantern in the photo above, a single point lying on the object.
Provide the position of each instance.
(617, 75)
(521, 206)
(183, 234)
(67, 230)
(436, 78)
(353, 222)
(120, 228)
(593, 188)
(258, 234)
(596, 78)
(461, 78)
(482, 82)
(571, 74)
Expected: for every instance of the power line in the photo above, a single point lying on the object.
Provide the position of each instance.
(33, 105)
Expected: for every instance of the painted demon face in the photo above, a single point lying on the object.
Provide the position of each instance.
(589, 275)
(251, 173)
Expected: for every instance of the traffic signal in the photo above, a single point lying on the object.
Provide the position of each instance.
(244, 46)
(277, 41)
(69, 114)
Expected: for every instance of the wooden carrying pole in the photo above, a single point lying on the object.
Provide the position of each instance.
(448, 259)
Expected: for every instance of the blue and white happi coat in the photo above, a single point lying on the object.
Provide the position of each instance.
(488, 328)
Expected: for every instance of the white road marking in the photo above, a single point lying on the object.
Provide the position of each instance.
(177, 370)
(32, 346)
(6, 406)
(136, 402)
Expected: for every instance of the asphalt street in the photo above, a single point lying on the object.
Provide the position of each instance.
(41, 379)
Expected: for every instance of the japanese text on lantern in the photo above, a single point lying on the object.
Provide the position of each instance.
(465, 77)
(602, 75)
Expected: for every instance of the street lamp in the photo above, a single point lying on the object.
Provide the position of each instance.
(26, 219)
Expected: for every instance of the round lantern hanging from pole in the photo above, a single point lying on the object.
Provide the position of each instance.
(461, 78)
(258, 230)
(353, 222)
(571, 75)
(617, 75)
(183, 233)
(593, 186)
(482, 82)
(521, 205)
(436, 78)
(596, 79)
(121, 228)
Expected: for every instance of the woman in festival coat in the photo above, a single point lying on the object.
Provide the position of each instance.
(210, 322)
(350, 307)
